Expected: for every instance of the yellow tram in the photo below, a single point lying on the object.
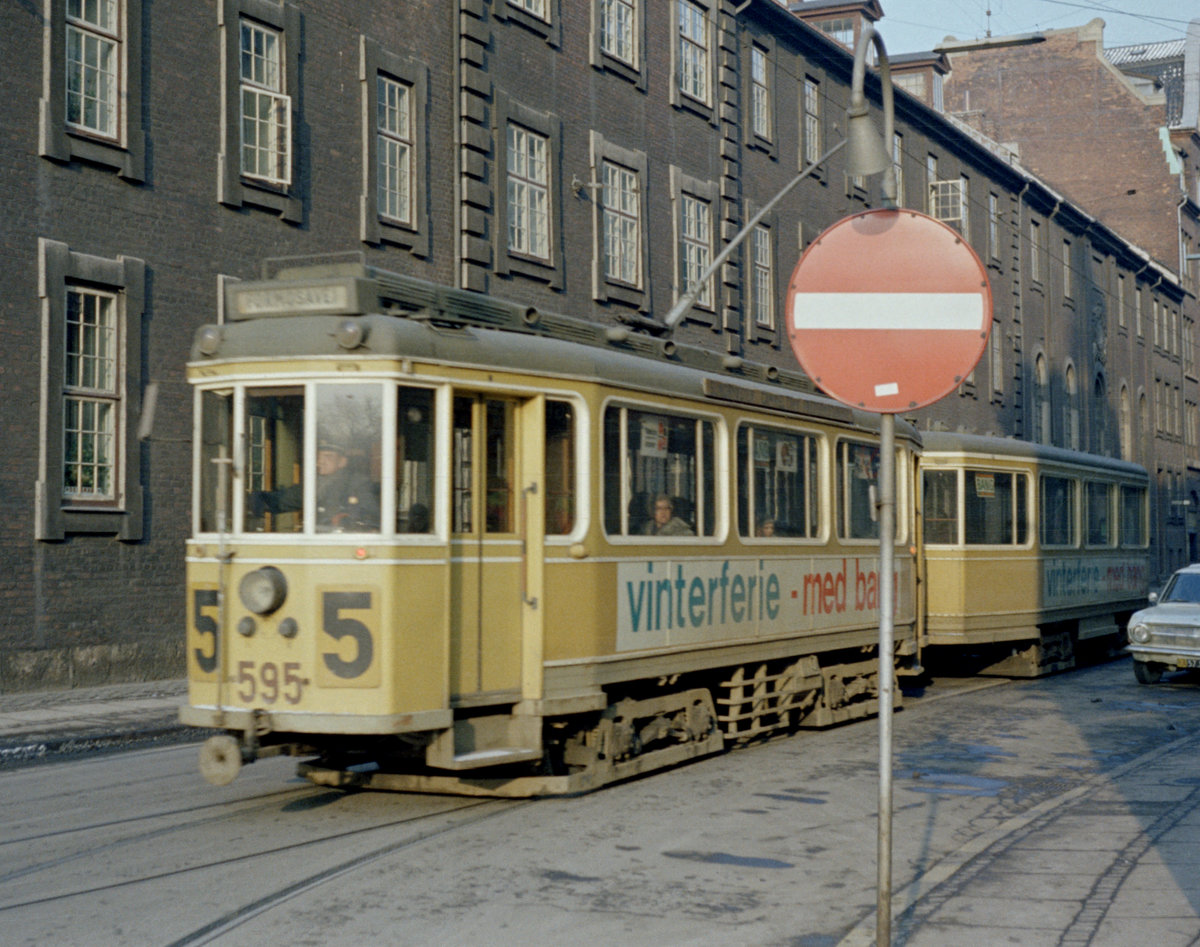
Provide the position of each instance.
(443, 542)
(1030, 554)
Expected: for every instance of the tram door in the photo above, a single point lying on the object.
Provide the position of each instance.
(496, 523)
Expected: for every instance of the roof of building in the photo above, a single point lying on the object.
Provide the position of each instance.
(1144, 52)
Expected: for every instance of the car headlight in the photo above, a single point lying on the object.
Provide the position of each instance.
(263, 590)
(1140, 633)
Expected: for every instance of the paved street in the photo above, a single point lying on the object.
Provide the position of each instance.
(1059, 811)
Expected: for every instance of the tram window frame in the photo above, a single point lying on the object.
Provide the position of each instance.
(414, 488)
(845, 504)
(772, 459)
(1071, 521)
(287, 491)
(215, 413)
(948, 520)
(1099, 534)
(1139, 511)
(629, 507)
(561, 467)
(1017, 491)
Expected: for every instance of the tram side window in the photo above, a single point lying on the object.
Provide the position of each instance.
(560, 468)
(858, 490)
(777, 484)
(994, 508)
(1099, 513)
(940, 503)
(414, 460)
(1133, 516)
(274, 459)
(216, 451)
(1058, 511)
(660, 474)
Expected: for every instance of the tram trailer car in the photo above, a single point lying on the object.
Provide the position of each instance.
(446, 543)
(1032, 556)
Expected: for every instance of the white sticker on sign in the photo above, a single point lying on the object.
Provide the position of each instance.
(882, 391)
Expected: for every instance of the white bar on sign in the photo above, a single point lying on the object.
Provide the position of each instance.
(903, 311)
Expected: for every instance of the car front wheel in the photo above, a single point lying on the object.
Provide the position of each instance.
(1147, 672)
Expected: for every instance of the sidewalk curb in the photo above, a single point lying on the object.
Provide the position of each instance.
(28, 749)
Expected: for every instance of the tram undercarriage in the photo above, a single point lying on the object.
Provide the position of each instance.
(514, 754)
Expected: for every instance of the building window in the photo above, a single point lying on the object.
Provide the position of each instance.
(528, 193)
(395, 143)
(760, 93)
(840, 30)
(695, 246)
(93, 64)
(395, 167)
(762, 282)
(1071, 410)
(618, 29)
(528, 143)
(536, 7)
(540, 17)
(694, 65)
(931, 176)
(996, 346)
(1126, 420)
(948, 202)
(621, 201)
(913, 83)
(89, 462)
(1068, 289)
(620, 251)
(92, 89)
(812, 121)
(1035, 255)
(91, 399)
(898, 165)
(266, 110)
(1137, 310)
(993, 239)
(261, 70)
(1121, 300)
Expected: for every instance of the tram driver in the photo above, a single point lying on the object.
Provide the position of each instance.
(347, 499)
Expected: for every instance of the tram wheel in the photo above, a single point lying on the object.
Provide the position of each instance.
(1147, 672)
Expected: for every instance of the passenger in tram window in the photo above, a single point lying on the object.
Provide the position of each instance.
(418, 519)
(766, 528)
(665, 522)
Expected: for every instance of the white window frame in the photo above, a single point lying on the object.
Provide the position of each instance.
(618, 30)
(947, 203)
(396, 149)
(93, 57)
(762, 277)
(760, 93)
(265, 106)
(91, 387)
(810, 106)
(694, 40)
(536, 8)
(528, 192)
(695, 246)
(621, 212)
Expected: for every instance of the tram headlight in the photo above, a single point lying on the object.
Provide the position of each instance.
(263, 590)
(1140, 633)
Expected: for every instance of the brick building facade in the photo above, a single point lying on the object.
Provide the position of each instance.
(155, 151)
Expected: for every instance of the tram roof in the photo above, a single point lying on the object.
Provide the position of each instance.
(947, 442)
(301, 315)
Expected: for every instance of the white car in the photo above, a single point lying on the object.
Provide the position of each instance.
(1167, 634)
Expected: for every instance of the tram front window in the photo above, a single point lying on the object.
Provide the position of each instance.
(215, 458)
(348, 458)
(274, 458)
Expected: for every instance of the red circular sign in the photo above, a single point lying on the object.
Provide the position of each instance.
(889, 310)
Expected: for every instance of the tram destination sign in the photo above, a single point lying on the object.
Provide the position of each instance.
(331, 297)
(889, 310)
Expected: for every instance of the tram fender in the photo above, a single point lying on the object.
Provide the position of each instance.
(490, 740)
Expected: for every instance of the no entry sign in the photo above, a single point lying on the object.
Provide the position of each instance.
(889, 310)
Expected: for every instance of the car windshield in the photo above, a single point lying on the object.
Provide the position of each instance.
(1183, 587)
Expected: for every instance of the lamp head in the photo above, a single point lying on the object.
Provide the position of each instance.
(865, 153)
